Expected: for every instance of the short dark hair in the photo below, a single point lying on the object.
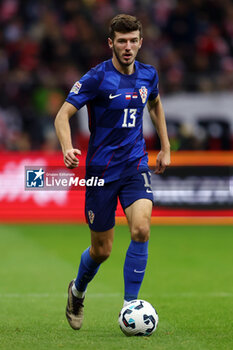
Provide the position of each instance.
(123, 24)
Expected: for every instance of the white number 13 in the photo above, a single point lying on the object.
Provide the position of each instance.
(131, 113)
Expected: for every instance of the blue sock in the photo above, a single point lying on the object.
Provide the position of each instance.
(87, 270)
(134, 268)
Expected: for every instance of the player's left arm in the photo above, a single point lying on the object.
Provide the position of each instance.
(158, 118)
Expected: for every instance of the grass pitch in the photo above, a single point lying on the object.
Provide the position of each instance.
(188, 280)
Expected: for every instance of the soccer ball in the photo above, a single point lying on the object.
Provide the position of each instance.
(138, 318)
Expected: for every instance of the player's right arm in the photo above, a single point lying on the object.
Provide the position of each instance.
(63, 131)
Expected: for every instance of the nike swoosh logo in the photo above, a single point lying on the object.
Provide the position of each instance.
(113, 96)
(139, 271)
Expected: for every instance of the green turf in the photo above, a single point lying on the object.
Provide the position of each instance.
(189, 280)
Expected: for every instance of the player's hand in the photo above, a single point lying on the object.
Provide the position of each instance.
(70, 158)
(162, 162)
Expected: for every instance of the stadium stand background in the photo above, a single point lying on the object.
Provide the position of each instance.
(45, 46)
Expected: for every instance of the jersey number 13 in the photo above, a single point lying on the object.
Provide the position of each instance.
(129, 118)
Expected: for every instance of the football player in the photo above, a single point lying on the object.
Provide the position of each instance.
(116, 93)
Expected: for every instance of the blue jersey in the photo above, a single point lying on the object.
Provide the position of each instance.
(115, 104)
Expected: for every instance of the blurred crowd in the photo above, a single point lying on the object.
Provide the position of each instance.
(46, 45)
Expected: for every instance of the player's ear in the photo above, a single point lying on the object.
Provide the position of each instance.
(140, 43)
(110, 43)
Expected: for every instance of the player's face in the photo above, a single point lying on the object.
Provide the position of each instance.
(125, 47)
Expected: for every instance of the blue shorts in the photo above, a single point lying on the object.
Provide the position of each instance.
(101, 201)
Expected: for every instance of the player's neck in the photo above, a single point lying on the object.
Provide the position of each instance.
(122, 68)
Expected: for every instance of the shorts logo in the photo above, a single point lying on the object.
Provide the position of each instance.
(143, 93)
(35, 178)
(77, 86)
(91, 216)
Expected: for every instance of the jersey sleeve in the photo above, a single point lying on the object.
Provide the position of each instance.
(85, 89)
(155, 87)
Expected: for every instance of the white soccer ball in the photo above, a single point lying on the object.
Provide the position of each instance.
(138, 318)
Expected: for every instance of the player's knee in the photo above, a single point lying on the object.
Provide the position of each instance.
(100, 254)
(104, 256)
(140, 232)
(101, 257)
